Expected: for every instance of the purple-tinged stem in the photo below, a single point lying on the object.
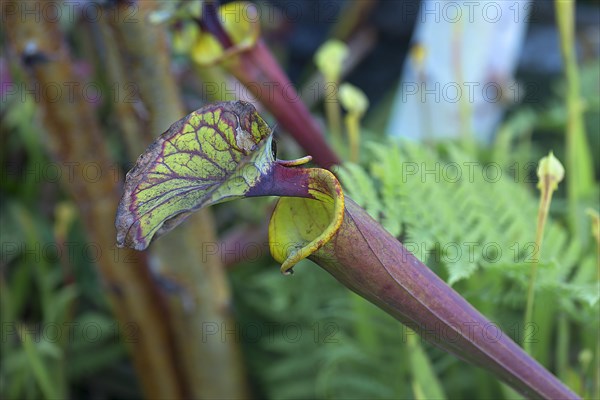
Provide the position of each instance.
(371, 262)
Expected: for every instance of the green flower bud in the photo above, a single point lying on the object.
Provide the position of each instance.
(329, 59)
(550, 172)
(353, 99)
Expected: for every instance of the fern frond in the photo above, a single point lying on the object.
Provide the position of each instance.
(459, 212)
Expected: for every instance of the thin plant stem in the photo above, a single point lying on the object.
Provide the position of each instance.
(353, 127)
(363, 325)
(544, 207)
(562, 347)
(596, 234)
(39, 370)
(332, 112)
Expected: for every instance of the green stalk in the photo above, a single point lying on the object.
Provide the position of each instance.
(329, 59)
(353, 127)
(543, 209)
(363, 326)
(578, 158)
(550, 172)
(425, 383)
(597, 374)
(562, 347)
(356, 104)
(49, 390)
(596, 234)
(332, 112)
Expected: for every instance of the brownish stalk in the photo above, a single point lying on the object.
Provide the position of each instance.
(352, 17)
(75, 143)
(192, 276)
(124, 96)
